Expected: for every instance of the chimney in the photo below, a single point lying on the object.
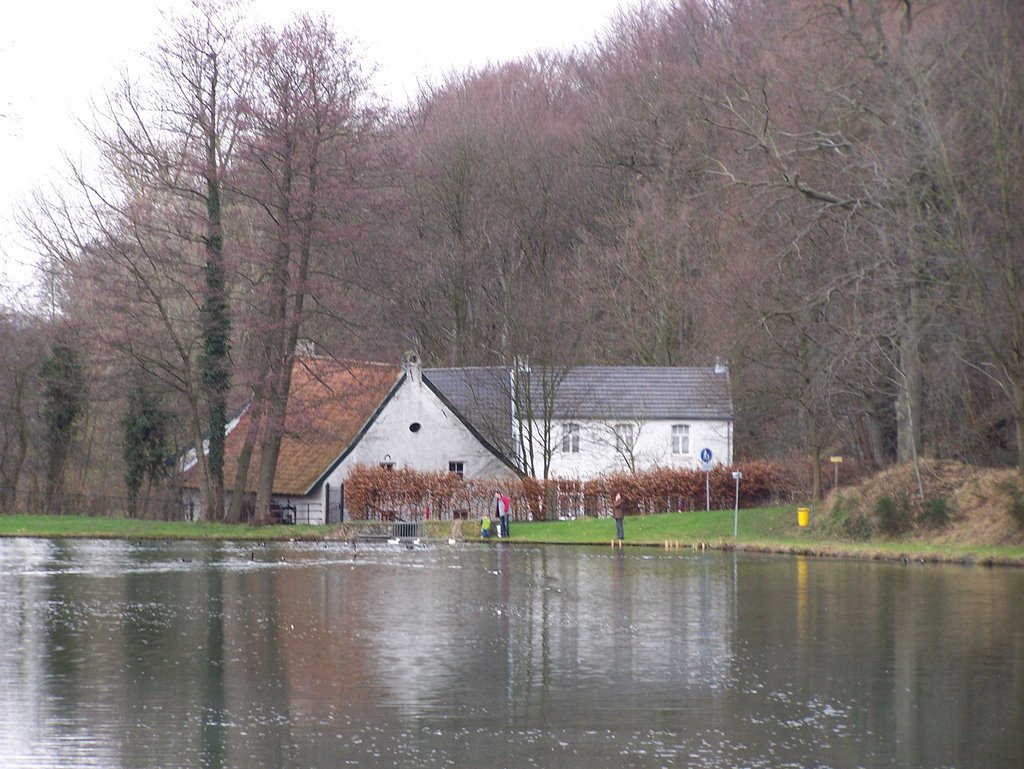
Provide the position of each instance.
(411, 364)
(721, 367)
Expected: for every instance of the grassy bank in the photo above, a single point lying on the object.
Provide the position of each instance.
(760, 530)
(55, 526)
(772, 530)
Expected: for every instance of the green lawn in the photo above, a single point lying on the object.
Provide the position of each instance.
(701, 526)
(772, 529)
(103, 528)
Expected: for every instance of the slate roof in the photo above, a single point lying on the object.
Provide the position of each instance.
(484, 394)
(641, 392)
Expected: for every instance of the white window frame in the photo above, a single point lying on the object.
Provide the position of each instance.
(680, 433)
(571, 438)
(458, 467)
(624, 438)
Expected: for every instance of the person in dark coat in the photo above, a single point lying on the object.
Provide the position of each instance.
(619, 511)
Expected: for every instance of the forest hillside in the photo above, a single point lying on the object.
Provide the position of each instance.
(826, 195)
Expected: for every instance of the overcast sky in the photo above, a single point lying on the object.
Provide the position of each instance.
(58, 55)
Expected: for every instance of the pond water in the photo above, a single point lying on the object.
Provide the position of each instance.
(121, 654)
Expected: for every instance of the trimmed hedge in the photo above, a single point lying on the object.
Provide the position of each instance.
(374, 493)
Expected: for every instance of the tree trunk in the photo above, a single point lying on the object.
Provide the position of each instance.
(9, 487)
(812, 436)
(868, 428)
(240, 489)
(1020, 440)
(270, 448)
(909, 384)
(1018, 415)
(216, 324)
(205, 490)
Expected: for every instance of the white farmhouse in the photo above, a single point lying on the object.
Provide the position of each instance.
(342, 414)
(416, 427)
(480, 422)
(624, 419)
(587, 421)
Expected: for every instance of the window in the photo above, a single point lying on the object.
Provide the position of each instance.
(680, 439)
(459, 468)
(571, 438)
(624, 438)
(387, 465)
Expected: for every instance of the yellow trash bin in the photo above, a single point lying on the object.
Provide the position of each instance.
(803, 516)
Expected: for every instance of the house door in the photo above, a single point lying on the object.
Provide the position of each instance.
(334, 504)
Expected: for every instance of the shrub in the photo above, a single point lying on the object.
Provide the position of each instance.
(848, 523)
(934, 513)
(1017, 507)
(859, 527)
(894, 516)
(403, 494)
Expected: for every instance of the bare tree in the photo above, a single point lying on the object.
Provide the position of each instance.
(501, 196)
(23, 346)
(150, 225)
(307, 117)
(973, 120)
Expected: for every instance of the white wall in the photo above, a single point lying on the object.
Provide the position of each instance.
(652, 447)
(441, 438)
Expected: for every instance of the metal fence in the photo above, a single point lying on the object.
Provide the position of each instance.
(386, 530)
(303, 512)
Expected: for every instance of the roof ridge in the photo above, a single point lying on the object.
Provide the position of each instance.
(357, 361)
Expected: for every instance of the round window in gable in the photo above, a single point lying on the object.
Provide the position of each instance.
(414, 427)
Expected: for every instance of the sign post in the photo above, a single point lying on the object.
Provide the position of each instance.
(736, 510)
(705, 464)
(836, 461)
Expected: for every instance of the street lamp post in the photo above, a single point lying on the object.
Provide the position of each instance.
(736, 510)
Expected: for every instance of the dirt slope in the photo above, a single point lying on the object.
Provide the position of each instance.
(978, 500)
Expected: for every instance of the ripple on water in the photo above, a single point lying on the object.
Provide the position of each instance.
(312, 655)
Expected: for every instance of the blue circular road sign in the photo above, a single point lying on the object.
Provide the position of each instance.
(705, 455)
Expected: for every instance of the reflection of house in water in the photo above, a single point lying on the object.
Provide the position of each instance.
(313, 631)
(614, 624)
(207, 654)
(545, 628)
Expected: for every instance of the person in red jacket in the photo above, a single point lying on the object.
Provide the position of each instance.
(502, 507)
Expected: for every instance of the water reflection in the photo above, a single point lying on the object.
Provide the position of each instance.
(221, 655)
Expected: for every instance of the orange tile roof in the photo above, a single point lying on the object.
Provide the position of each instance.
(329, 403)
